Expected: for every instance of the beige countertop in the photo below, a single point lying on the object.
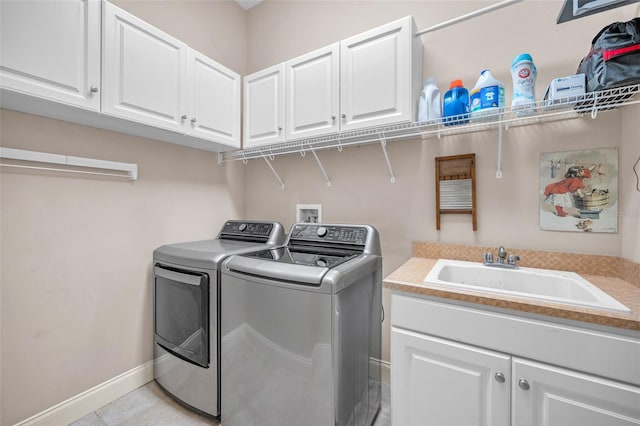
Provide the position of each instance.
(409, 278)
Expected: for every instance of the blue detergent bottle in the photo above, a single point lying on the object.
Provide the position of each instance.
(456, 104)
(486, 98)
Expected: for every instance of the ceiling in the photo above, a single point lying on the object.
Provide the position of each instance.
(248, 4)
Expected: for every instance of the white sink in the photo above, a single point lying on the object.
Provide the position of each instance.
(543, 284)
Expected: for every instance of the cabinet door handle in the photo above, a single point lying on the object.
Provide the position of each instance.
(279, 129)
(193, 120)
(524, 384)
(499, 377)
(344, 116)
(333, 118)
(184, 116)
(93, 88)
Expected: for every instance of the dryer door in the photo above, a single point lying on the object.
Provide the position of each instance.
(181, 313)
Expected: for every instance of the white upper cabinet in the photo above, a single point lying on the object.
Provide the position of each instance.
(264, 111)
(51, 50)
(214, 101)
(144, 73)
(381, 75)
(154, 79)
(372, 79)
(313, 93)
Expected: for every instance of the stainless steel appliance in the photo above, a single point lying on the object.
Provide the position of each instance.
(187, 310)
(301, 330)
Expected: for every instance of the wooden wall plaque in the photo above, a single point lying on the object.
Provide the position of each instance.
(456, 186)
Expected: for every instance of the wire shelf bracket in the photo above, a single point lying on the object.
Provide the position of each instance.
(324, 173)
(499, 166)
(383, 144)
(273, 170)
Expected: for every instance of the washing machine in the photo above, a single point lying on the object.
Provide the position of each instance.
(186, 310)
(301, 330)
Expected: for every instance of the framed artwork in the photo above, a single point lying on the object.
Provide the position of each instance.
(579, 191)
(309, 213)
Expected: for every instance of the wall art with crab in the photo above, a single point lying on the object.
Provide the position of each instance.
(579, 191)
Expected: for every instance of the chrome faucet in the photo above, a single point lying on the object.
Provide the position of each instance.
(502, 255)
(512, 259)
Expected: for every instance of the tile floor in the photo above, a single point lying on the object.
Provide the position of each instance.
(150, 405)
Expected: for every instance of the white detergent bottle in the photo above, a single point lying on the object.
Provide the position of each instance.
(486, 98)
(429, 107)
(523, 73)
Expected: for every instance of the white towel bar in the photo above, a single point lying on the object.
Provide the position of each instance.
(67, 160)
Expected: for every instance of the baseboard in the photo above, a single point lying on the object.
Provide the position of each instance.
(385, 367)
(90, 400)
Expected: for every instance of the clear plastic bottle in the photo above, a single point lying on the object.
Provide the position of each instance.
(523, 74)
(487, 97)
(429, 104)
(456, 104)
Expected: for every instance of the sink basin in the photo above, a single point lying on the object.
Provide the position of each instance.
(553, 286)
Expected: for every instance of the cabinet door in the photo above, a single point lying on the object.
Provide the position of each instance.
(376, 76)
(214, 99)
(439, 382)
(264, 107)
(313, 93)
(144, 72)
(52, 50)
(557, 397)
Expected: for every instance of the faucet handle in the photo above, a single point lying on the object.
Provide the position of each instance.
(488, 258)
(513, 259)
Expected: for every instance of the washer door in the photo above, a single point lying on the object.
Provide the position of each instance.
(181, 313)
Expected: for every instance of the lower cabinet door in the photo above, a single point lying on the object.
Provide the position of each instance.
(440, 382)
(552, 396)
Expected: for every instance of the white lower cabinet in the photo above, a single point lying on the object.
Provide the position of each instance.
(547, 395)
(451, 379)
(439, 382)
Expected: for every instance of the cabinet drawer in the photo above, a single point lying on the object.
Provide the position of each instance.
(596, 352)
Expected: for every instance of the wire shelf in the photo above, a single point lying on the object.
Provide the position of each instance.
(589, 104)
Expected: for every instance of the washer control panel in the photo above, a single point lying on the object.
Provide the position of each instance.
(247, 228)
(330, 233)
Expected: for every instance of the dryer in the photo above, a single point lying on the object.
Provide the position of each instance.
(301, 330)
(187, 310)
